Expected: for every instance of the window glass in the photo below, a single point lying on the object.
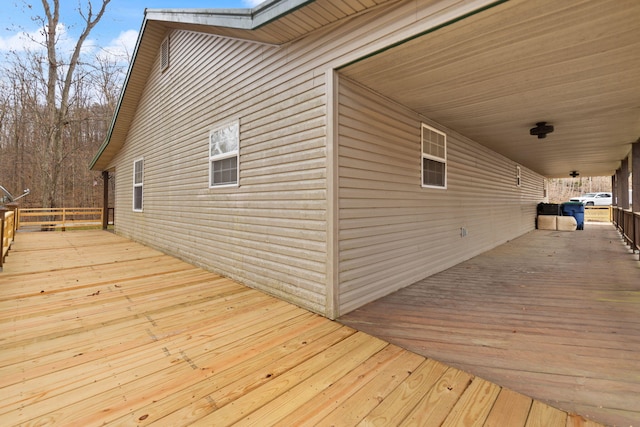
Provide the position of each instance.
(434, 158)
(224, 143)
(224, 140)
(138, 176)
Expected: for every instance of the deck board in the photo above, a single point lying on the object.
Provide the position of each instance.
(98, 330)
(552, 315)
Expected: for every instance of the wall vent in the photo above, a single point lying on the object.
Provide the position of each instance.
(164, 54)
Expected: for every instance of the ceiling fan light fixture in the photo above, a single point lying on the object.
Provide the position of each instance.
(541, 130)
(574, 174)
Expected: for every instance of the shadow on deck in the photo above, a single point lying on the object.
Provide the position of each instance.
(95, 329)
(553, 315)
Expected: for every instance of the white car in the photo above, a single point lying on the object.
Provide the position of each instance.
(594, 199)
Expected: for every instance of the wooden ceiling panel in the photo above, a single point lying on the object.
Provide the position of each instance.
(492, 76)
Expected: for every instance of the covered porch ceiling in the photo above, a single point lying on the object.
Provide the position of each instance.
(492, 76)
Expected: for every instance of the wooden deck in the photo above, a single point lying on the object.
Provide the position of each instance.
(98, 330)
(553, 315)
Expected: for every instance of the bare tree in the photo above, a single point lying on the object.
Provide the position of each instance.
(21, 116)
(60, 76)
(55, 109)
(107, 77)
(563, 189)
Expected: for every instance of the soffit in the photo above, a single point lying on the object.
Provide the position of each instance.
(277, 22)
(493, 75)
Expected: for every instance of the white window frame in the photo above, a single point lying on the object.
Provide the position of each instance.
(137, 184)
(429, 156)
(235, 127)
(518, 176)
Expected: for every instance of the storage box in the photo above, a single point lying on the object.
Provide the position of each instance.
(566, 223)
(547, 222)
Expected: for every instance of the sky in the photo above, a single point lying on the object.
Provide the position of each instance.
(116, 33)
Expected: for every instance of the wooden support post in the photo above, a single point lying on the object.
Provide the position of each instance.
(634, 201)
(616, 197)
(105, 200)
(618, 176)
(635, 176)
(623, 185)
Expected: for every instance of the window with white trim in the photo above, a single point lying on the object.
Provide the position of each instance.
(224, 167)
(138, 177)
(434, 158)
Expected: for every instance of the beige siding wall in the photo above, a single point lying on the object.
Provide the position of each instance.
(393, 232)
(270, 231)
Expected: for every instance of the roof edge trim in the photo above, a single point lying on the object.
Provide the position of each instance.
(244, 19)
(270, 11)
(116, 113)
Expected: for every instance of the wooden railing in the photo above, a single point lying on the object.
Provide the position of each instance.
(63, 218)
(7, 232)
(598, 213)
(628, 223)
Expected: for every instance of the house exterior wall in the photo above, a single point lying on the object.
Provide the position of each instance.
(269, 232)
(393, 232)
(274, 231)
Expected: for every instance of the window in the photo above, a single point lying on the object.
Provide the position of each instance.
(223, 155)
(434, 158)
(518, 176)
(164, 54)
(138, 176)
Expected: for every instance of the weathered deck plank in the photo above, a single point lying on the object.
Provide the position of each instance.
(553, 315)
(119, 334)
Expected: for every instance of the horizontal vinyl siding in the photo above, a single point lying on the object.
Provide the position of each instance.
(393, 232)
(270, 232)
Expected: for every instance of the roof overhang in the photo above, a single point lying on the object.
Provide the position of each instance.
(273, 22)
(493, 75)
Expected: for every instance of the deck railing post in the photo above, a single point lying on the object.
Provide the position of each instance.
(636, 222)
(105, 200)
(3, 231)
(625, 227)
(14, 207)
(632, 231)
(619, 218)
